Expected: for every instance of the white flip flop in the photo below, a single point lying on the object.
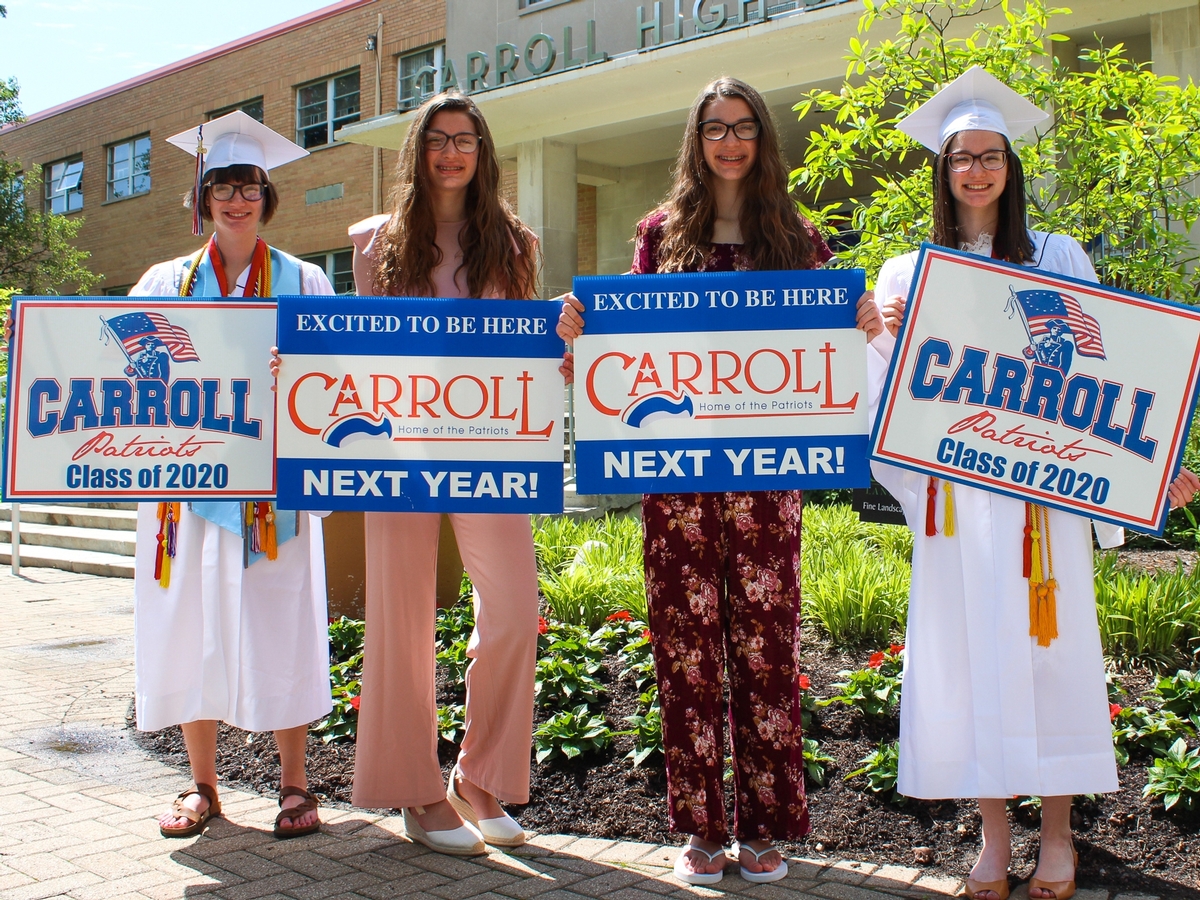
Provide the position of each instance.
(775, 874)
(689, 877)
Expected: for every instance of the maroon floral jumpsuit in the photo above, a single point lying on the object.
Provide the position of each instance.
(723, 585)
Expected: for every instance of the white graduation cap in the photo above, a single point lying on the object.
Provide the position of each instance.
(235, 139)
(974, 101)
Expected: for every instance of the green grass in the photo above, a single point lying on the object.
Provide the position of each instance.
(1149, 618)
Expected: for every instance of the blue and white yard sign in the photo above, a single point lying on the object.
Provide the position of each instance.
(1045, 388)
(721, 381)
(140, 398)
(420, 405)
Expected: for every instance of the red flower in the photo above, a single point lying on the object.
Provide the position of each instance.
(876, 660)
(805, 684)
(354, 701)
(646, 633)
(1114, 710)
(896, 648)
(620, 615)
(543, 625)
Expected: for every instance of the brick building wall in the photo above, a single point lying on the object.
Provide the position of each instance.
(126, 236)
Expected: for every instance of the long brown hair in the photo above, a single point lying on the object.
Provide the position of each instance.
(1011, 241)
(407, 250)
(773, 233)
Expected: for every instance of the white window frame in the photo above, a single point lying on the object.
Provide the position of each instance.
(130, 180)
(68, 172)
(328, 264)
(405, 98)
(332, 122)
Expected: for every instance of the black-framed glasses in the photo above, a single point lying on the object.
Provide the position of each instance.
(465, 141)
(250, 192)
(715, 129)
(992, 160)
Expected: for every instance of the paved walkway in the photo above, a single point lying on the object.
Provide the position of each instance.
(78, 801)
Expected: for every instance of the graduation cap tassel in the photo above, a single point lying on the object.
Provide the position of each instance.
(197, 219)
(948, 525)
(931, 508)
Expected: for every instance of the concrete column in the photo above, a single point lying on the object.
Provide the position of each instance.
(1175, 42)
(546, 202)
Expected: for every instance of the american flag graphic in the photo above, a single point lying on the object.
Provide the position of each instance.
(1041, 307)
(130, 329)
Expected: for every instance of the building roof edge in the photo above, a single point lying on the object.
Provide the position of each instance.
(258, 37)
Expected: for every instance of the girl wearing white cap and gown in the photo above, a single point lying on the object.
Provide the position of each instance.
(234, 626)
(990, 711)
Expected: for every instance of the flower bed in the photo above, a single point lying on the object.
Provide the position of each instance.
(597, 758)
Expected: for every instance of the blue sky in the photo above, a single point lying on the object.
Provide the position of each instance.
(61, 49)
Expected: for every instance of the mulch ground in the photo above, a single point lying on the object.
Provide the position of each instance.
(1125, 843)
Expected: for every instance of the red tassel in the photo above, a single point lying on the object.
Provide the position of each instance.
(931, 508)
(1027, 546)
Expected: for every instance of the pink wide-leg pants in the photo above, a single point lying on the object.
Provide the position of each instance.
(396, 761)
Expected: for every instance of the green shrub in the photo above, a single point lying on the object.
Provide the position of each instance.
(558, 681)
(855, 576)
(647, 728)
(1146, 731)
(1180, 694)
(571, 733)
(345, 676)
(881, 768)
(876, 689)
(452, 722)
(1175, 779)
(1151, 618)
(815, 762)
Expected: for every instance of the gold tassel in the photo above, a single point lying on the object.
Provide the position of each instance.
(948, 523)
(269, 526)
(1043, 604)
(165, 580)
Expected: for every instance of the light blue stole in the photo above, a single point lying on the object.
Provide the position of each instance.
(285, 280)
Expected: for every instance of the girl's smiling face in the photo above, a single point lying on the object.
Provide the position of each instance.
(730, 158)
(237, 215)
(450, 169)
(977, 187)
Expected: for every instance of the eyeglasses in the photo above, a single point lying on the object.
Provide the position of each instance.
(465, 141)
(990, 159)
(715, 129)
(250, 192)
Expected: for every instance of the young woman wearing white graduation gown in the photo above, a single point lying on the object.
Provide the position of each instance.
(987, 711)
(247, 645)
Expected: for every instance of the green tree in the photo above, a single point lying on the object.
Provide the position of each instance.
(1117, 163)
(37, 255)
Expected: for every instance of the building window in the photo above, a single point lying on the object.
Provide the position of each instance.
(252, 108)
(12, 197)
(419, 76)
(325, 106)
(129, 168)
(64, 186)
(338, 266)
(121, 290)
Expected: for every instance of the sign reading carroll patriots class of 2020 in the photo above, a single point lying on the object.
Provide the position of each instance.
(420, 405)
(721, 381)
(1045, 388)
(140, 399)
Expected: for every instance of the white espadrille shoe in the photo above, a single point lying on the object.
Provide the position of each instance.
(461, 841)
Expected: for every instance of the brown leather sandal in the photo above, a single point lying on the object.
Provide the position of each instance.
(196, 820)
(293, 813)
(1062, 890)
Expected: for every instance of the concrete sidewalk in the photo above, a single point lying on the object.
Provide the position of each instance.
(78, 801)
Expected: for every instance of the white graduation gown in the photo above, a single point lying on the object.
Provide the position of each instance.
(246, 646)
(986, 712)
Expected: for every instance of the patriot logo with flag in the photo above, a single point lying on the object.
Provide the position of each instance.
(150, 342)
(1050, 317)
